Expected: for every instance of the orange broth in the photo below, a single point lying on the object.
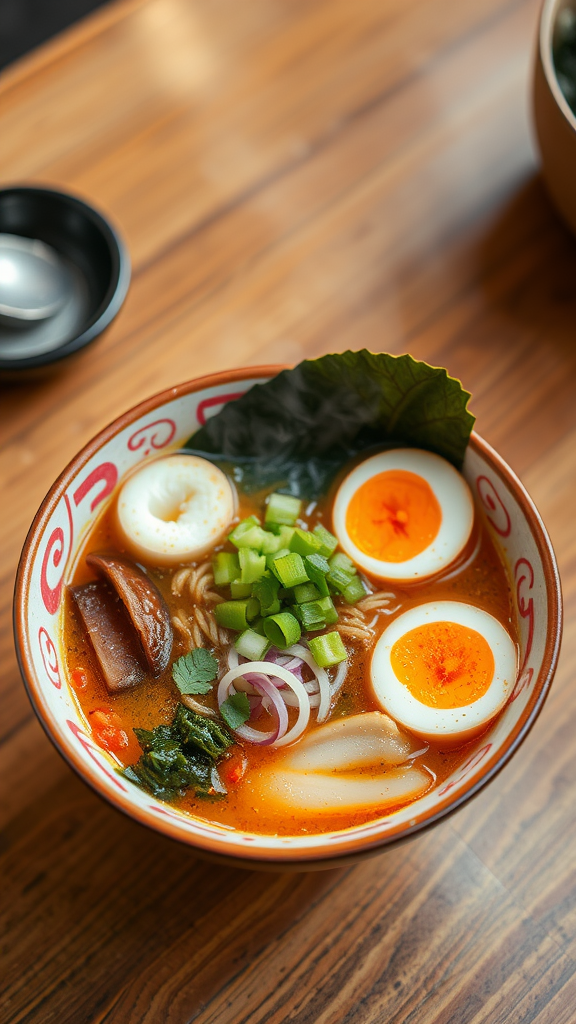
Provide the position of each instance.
(481, 581)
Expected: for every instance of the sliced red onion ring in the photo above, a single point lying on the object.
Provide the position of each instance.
(245, 731)
(283, 658)
(295, 665)
(267, 689)
(244, 684)
(279, 672)
(275, 656)
(321, 675)
(341, 673)
(292, 701)
(256, 706)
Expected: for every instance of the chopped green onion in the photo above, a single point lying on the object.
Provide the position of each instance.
(305, 543)
(339, 578)
(266, 592)
(240, 590)
(327, 649)
(226, 567)
(282, 630)
(257, 625)
(317, 567)
(242, 528)
(248, 522)
(296, 611)
(290, 569)
(316, 614)
(282, 509)
(252, 565)
(266, 588)
(255, 537)
(341, 561)
(236, 614)
(311, 615)
(271, 558)
(285, 533)
(328, 610)
(328, 541)
(355, 591)
(319, 563)
(271, 543)
(251, 645)
(232, 614)
(306, 592)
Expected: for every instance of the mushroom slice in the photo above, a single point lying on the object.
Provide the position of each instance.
(112, 635)
(144, 603)
(319, 793)
(347, 743)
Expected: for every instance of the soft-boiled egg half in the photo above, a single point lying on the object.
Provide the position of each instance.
(175, 509)
(403, 514)
(444, 670)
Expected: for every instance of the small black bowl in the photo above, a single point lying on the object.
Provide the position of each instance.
(91, 249)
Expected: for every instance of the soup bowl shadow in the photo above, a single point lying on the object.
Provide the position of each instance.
(90, 480)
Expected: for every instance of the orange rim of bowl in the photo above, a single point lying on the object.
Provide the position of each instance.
(282, 856)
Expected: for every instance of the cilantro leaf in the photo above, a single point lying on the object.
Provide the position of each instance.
(195, 672)
(235, 710)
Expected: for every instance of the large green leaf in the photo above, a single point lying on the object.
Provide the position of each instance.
(300, 427)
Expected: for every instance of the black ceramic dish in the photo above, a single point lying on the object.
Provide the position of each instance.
(94, 254)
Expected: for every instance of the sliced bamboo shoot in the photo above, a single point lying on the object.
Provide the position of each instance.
(348, 743)
(319, 793)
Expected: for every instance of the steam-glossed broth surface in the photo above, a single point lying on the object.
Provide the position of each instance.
(477, 577)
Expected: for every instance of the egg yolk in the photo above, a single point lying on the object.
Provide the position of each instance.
(443, 664)
(393, 516)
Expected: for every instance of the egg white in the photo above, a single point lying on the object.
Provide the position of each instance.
(451, 492)
(174, 509)
(453, 725)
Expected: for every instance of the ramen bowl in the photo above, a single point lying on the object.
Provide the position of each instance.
(554, 121)
(57, 534)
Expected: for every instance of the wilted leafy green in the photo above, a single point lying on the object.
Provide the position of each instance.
(299, 428)
(197, 733)
(179, 756)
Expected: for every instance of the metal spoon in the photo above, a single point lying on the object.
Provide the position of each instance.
(32, 281)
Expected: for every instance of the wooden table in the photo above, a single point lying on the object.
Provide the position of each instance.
(295, 177)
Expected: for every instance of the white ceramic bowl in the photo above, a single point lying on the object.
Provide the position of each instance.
(162, 423)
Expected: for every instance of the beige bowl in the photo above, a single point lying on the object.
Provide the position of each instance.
(162, 423)
(554, 121)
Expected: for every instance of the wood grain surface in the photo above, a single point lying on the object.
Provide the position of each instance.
(295, 177)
